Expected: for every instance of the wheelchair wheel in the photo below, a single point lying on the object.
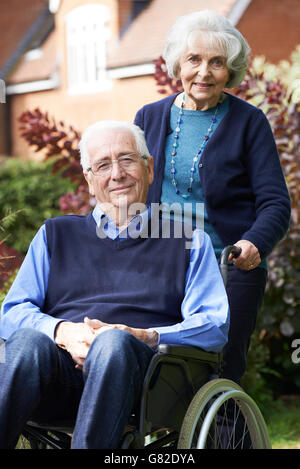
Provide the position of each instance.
(40, 437)
(222, 416)
(27, 442)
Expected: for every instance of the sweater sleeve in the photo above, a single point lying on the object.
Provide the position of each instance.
(272, 201)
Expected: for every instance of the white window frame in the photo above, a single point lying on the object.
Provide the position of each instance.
(87, 34)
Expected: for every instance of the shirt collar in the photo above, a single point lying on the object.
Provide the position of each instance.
(112, 231)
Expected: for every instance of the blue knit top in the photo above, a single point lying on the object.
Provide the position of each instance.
(193, 128)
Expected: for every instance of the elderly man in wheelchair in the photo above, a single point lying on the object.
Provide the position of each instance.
(116, 320)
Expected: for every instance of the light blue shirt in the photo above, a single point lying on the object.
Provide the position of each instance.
(205, 311)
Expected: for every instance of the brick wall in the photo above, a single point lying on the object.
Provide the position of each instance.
(272, 28)
(15, 20)
(124, 12)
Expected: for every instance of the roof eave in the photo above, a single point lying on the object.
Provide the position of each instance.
(38, 27)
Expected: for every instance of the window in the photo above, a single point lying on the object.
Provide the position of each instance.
(87, 36)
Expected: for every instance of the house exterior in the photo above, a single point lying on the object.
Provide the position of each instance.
(87, 60)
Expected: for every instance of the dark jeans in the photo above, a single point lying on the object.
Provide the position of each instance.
(245, 290)
(38, 381)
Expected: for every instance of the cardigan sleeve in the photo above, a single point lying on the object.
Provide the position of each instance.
(271, 197)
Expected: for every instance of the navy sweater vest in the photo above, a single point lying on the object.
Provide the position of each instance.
(138, 282)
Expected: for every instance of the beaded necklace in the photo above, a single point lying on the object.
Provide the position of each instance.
(196, 157)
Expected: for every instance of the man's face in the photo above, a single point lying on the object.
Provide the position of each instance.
(122, 184)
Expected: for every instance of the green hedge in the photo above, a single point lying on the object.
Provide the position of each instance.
(29, 194)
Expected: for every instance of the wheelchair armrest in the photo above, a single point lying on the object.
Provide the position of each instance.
(194, 353)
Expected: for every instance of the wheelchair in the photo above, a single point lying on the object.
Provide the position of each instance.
(184, 405)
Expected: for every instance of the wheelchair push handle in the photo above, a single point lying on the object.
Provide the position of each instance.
(235, 251)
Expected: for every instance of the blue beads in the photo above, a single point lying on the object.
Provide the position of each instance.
(196, 157)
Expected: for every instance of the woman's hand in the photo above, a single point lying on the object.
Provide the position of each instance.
(249, 258)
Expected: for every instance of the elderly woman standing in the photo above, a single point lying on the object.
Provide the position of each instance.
(212, 148)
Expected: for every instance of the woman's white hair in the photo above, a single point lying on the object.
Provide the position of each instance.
(111, 125)
(219, 33)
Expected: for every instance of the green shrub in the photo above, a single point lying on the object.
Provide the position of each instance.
(30, 192)
(254, 380)
(6, 286)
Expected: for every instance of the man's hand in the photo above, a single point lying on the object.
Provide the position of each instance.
(249, 257)
(148, 336)
(76, 338)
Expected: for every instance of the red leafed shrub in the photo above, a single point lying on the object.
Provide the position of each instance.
(10, 261)
(166, 84)
(59, 142)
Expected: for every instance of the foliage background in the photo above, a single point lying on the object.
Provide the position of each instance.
(30, 193)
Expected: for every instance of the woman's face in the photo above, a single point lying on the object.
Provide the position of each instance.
(204, 73)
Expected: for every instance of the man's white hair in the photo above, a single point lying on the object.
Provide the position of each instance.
(219, 34)
(111, 125)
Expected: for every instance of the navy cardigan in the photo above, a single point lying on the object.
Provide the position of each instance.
(242, 180)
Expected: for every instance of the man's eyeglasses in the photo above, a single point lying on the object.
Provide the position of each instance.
(125, 162)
